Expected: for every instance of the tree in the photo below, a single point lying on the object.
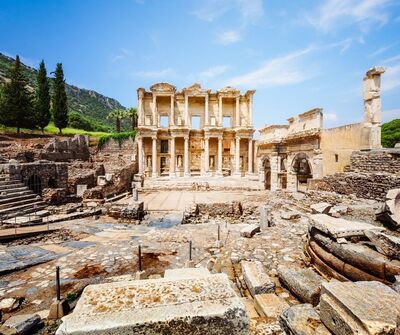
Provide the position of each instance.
(132, 114)
(17, 102)
(118, 115)
(60, 104)
(42, 106)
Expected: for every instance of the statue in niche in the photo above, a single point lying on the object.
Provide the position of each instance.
(179, 161)
(212, 162)
(148, 163)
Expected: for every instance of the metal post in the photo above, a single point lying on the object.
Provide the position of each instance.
(219, 232)
(190, 250)
(140, 257)
(58, 286)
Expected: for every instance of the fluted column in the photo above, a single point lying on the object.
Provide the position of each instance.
(172, 120)
(237, 112)
(186, 157)
(219, 170)
(140, 154)
(155, 121)
(250, 161)
(206, 156)
(154, 158)
(172, 158)
(187, 121)
(250, 116)
(220, 111)
(140, 109)
(206, 122)
(237, 156)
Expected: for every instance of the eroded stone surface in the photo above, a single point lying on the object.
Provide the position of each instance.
(205, 305)
(250, 230)
(269, 305)
(256, 279)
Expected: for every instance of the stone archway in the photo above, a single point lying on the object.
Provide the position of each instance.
(301, 166)
(266, 165)
(35, 184)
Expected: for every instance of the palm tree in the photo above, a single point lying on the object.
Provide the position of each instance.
(117, 114)
(132, 114)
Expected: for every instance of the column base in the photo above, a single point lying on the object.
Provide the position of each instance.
(154, 175)
(250, 174)
(186, 174)
(237, 174)
(207, 174)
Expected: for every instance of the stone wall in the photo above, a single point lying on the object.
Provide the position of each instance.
(76, 148)
(370, 175)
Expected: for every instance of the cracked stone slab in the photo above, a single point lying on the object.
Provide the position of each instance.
(256, 279)
(362, 308)
(206, 305)
(269, 305)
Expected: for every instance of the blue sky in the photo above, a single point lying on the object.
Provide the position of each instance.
(297, 54)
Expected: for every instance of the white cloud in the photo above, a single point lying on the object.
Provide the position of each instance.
(336, 13)
(121, 55)
(381, 50)
(279, 71)
(391, 78)
(330, 116)
(391, 59)
(209, 10)
(390, 114)
(229, 37)
(156, 74)
(214, 71)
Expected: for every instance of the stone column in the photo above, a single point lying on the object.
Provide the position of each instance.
(273, 161)
(187, 121)
(172, 157)
(206, 122)
(250, 116)
(237, 111)
(154, 158)
(219, 169)
(172, 121)
(237, 156)
(317, 164)
(206, 156)
(155, 121)
(140, 154)
(220, 111)
(186, 157)
(140, 109)
(250, 158)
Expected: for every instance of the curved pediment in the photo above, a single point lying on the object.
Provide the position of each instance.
(229, 90)
(163, 88)
(195, 89)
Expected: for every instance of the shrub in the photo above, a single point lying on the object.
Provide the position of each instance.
(390, 133)
(119, 137)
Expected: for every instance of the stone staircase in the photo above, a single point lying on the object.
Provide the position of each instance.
(18, 204)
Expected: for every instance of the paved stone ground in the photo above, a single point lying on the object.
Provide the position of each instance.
(94, 250)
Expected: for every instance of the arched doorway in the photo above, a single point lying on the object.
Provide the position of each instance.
(35, 184)
(302, 167)
(267, 174)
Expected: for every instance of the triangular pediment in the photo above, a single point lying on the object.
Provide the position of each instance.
(163, 87)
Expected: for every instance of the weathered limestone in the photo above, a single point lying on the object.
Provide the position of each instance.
(321, 208)
(305, 284)
(186, 273)
(269, 305)
(359, 308)
(386, 244)
(206, 305)
(290, 215)
(264, 218)
(340, 227)
(256, 279)
(22, 324)
(250, 230)
(302, 320)
(389, 213)
(128, 211)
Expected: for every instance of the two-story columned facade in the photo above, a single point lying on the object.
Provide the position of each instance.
(194, 132)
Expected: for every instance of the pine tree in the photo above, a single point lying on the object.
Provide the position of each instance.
(60, 106)
(17, 102)
(42, 106)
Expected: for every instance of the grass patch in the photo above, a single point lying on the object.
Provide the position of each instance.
(119, 137)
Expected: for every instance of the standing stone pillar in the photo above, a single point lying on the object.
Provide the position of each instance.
(219, 170)
(237, 157)
(237, 113)
(187, 121)
(186, 157)
(140, 108)
(172, 158)
(220, 111)
(250, 158)
(206, 156)
(317, 164)
(154, 158)
(250, 116)
(206, 122)
(274, 159)
(155, 121)
(140, 154)
(172, 121)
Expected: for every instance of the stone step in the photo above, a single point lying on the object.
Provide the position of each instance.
(24, 212)
(15, 194)
(15, 184)
(31, 198)
(16, 197)
(23, 221)
(30, 206)
(14, 190)
(4, 182)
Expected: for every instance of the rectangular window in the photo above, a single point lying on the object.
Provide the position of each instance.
(226, 122)
(164, 146)
(164, 121)
(196, 122)
(336, 158)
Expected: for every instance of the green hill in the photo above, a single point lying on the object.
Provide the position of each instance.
(91, 104)
(391, 133)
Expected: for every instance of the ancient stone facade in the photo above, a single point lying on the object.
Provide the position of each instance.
(194, 132)
(289, 156)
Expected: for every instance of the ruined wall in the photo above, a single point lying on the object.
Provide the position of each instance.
(337, 145)
(370, 175)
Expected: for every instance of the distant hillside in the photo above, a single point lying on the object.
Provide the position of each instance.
(86, 102)
(391, 133)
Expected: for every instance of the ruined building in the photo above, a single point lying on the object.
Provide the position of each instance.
(296, 154)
